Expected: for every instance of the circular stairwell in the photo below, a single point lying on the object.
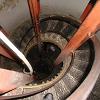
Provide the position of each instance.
(56, 30)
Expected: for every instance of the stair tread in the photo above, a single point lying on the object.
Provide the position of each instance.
(81, 65)
(70, 81)
(43, 26)
(82, 55)
(59, 26)
(51, 25)
(77, 74)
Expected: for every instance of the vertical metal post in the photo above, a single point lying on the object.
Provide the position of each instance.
(34, 7)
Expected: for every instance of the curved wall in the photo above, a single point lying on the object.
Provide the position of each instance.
(14, 12)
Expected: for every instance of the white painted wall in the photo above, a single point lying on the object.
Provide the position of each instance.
(14, 12)
(12, 15)
(72, 7)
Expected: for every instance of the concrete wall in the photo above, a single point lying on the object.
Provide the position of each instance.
(72, 7)
(14, 12)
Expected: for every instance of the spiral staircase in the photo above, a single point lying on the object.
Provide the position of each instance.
(53, 83)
